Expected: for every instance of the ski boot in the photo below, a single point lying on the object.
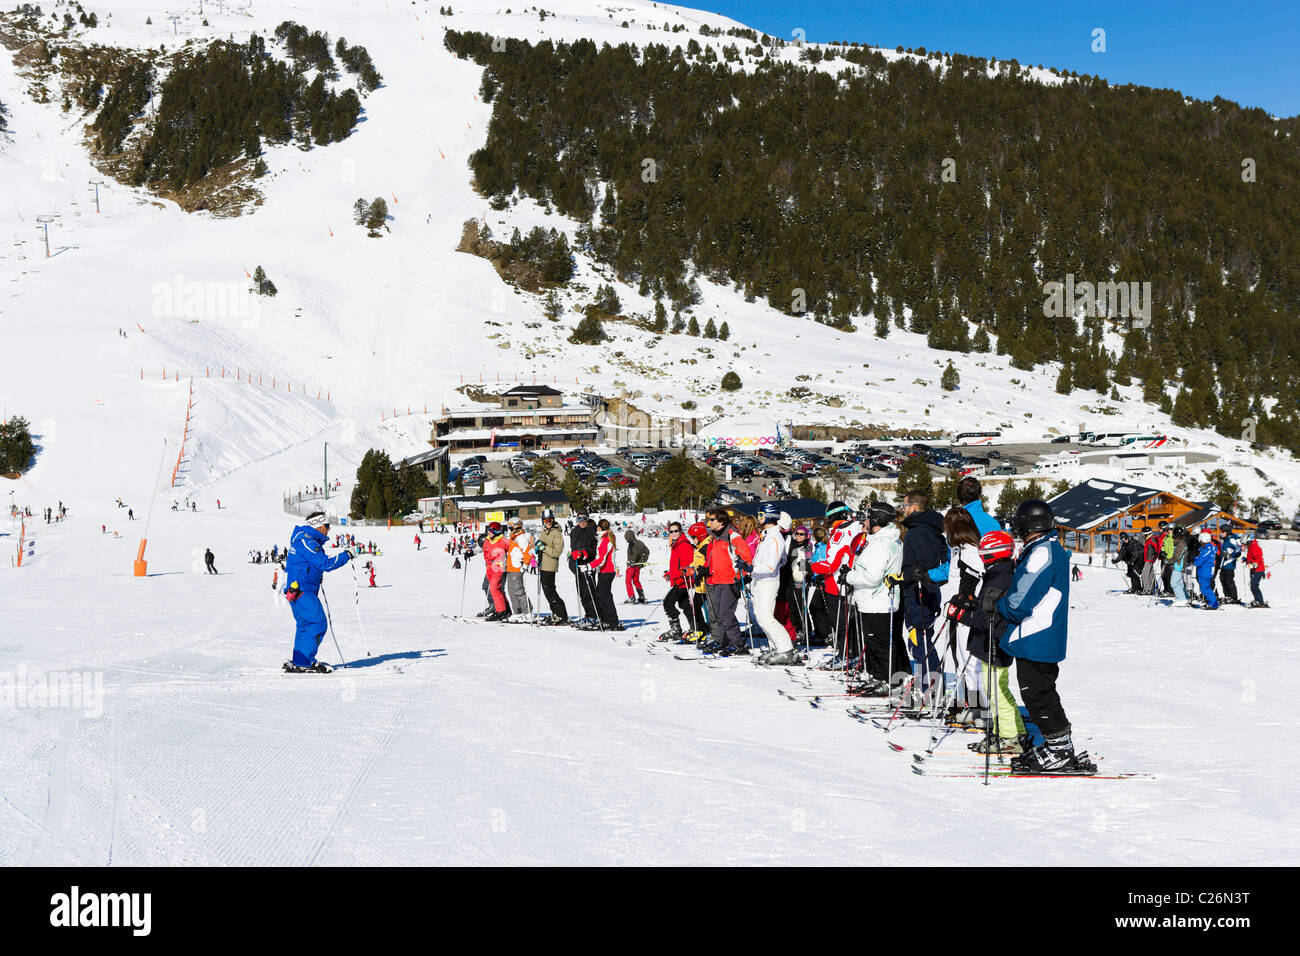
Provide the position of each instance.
(674, 633)
(1054, 755)
(871, 688)
(789, 658)
(320, 667)
(734, 650)
(1002, 745)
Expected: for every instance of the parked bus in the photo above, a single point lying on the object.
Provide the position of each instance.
(1121, 439)
(1145, 441)
(975, 438)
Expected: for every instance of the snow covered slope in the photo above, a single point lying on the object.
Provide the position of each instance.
(459, 742)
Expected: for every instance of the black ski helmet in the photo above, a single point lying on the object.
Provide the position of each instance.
(880, 514)
(1032, 517)
(836, 509)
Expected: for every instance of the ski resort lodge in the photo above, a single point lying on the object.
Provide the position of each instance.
(1091, 515)
(525, 504)
(526, 416)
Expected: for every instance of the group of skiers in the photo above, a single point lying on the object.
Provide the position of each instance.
(1191, 566)
(870, 584)
(509, 551)
(877, 577)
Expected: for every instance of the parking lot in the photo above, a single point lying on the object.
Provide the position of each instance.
(774, 474)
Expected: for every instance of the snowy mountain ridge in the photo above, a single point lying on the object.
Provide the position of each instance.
(383, 325)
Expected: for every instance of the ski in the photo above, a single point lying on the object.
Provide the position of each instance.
(317, 668)
(1006, 772)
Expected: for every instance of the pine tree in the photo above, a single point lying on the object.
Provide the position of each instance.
(724, 333)
(915, 476)
(950, 378)
(16, 445)
(579, 495)
(731, 382)
(694, 327)
(1063, 381)
(589, 330)
(552, 308)
(982, 343)
(661, 318)
(376, 217)
(710, 330)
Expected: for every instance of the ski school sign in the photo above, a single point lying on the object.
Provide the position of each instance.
(747, 441)
(737, 433)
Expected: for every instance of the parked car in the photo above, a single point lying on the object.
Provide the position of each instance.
(1003, 470)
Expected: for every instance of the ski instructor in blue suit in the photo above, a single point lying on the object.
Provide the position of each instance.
(306, 564)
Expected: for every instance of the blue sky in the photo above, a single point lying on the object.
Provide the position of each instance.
(1242, 50)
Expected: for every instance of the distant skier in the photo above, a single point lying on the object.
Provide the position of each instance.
(130, 514)
(210, 560)
(370, 566)
(417, 542)
(1255, 561)
(307, 563)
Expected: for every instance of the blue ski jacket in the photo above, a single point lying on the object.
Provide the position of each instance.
(1037, 606)
(1205, 559)
(308, 561)
(1231, 552)
(984, 522)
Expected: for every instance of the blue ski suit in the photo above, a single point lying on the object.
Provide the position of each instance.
(306, 565)
(1205, 573)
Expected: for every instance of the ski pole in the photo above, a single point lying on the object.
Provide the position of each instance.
(330, 621)
(538, 603)
(356, 591)
(463, 578)
(990, 726)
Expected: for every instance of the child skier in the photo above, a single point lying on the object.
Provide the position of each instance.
(1006, 728)
(1037, 609)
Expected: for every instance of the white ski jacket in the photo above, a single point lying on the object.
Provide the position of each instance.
(771, 553)
(882, 557)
